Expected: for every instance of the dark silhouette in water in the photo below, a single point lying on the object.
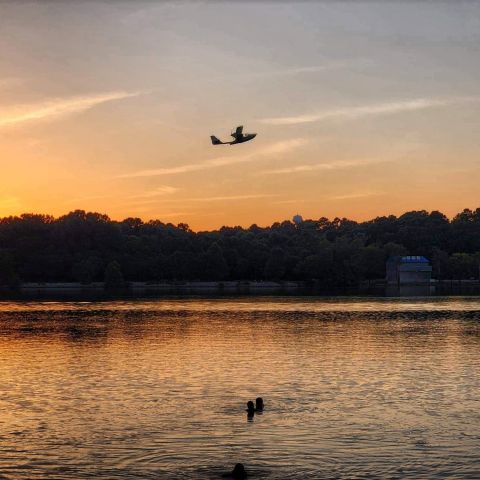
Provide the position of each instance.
(259, 404)
(250, 410)
(238, 472)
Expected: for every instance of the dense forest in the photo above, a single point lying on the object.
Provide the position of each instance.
(86, 247)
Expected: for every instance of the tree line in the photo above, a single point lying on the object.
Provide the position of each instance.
(87, 246)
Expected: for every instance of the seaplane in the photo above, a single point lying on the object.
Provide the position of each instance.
(238, 137)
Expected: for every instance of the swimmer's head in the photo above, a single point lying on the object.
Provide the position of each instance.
(238, 472)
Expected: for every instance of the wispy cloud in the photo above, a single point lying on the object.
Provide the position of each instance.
(160, 190)
(287, 202)
(59, 107)
(326, 166)
(161, 216)
(355, 112)
(353, 195)
(232, 197)
(86, 198)
(347, 196)
(273, 149)
(303, 70)
(138, 200)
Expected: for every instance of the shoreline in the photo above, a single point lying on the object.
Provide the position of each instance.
(159, 289)
(240, 288)
(167, 287)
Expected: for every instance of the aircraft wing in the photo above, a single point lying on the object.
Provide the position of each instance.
(238, 132)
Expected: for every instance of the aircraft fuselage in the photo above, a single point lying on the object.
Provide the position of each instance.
(244, 138)
(238, 137)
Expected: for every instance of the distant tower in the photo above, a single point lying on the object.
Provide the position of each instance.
(297, 219)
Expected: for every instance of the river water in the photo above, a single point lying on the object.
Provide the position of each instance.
(353, 388)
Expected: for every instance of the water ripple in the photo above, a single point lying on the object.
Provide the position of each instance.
(354, 389)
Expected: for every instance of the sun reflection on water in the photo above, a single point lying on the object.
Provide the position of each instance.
(158, 389)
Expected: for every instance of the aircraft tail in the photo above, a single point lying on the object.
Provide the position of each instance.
(215, 140)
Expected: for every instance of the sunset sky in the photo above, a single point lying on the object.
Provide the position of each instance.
(361, 109)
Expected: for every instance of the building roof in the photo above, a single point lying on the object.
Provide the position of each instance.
(414, 259)
(409, 259)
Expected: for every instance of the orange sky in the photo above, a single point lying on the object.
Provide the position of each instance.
(361, 109)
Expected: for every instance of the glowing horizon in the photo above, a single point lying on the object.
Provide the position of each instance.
(360, 111)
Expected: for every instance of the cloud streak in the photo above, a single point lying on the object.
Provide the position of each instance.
(149, 200)
(303, 70)
(273, 149)
(232, 197)
(160, 190)
(386, 108)
(326, 166)
(59, 107)
(352, 196)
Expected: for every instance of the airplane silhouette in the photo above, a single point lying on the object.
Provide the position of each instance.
(238, 135)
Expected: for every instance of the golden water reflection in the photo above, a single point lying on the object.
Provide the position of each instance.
(157, 389)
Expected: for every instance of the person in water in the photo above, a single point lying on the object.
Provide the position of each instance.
(239, 472)
(259, 404)
(250, 407)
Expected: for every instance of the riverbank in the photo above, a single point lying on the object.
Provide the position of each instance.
(160, 288)
(365, 288)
